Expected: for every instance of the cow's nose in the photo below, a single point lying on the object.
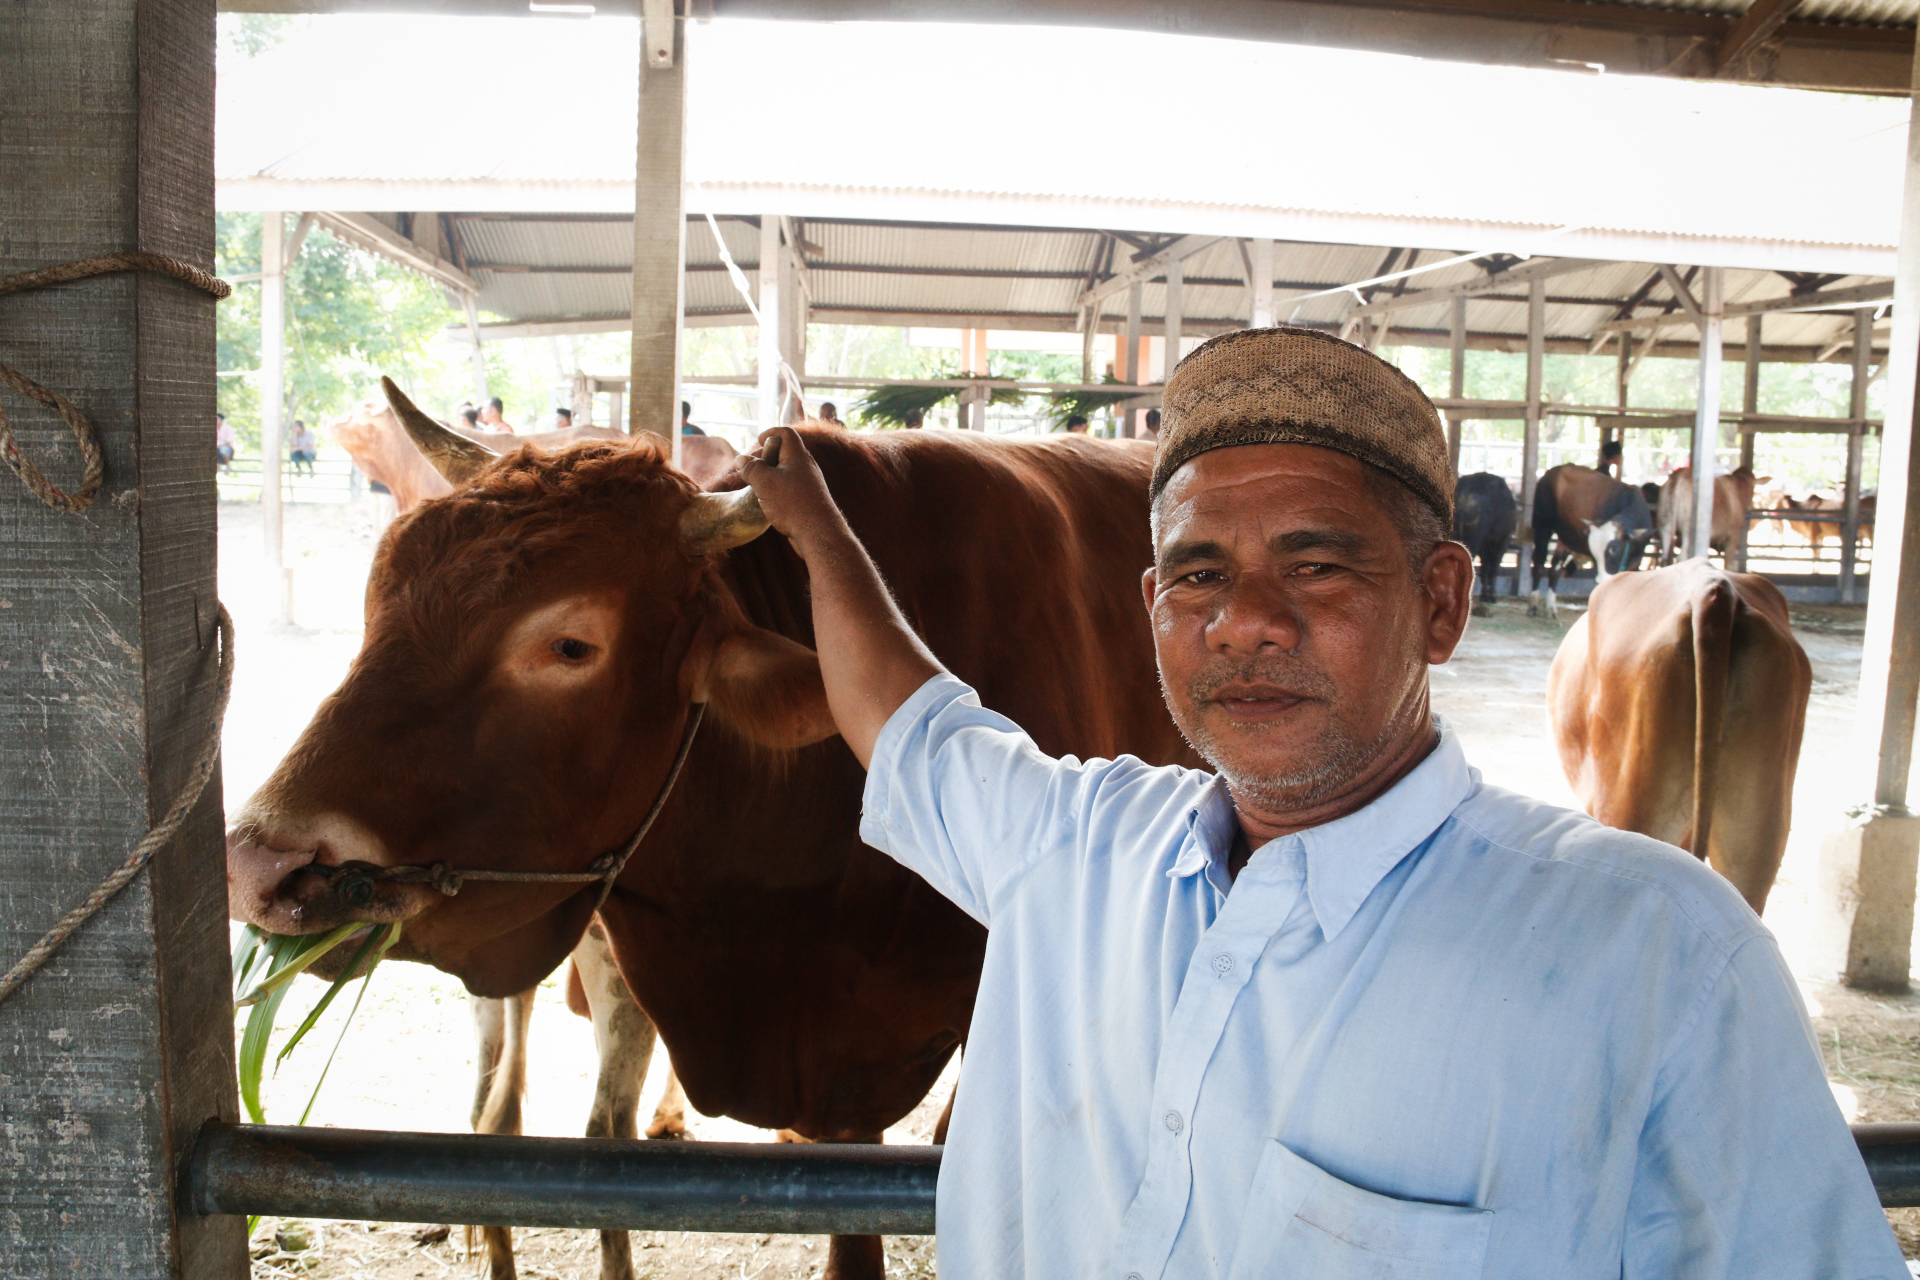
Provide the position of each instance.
(257, 875)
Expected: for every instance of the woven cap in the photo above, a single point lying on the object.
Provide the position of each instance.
(1289, 385)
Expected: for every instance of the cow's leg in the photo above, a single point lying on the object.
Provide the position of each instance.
(670, 1117)
(625, 1037)
(856, 1257)
(502, 1028)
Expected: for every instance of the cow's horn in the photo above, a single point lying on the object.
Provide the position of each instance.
(719, 521)
(453, 456)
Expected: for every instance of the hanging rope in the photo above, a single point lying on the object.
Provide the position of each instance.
(77, 424)
(44, 489)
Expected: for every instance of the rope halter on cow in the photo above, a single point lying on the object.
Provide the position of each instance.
(355, 883)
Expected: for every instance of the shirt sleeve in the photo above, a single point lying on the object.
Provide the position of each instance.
(961, 796)
(1746, 1167)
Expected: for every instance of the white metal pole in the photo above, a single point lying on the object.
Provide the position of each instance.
(479, 356)
(1856, 445)
(1530, 446)
(1867, 867)
(273, 397)
(770, 313)
(1176, 280)
(1261, 251)
(1706, 418)
(1456, 378)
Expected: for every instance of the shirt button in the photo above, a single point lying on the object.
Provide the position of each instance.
(1172, 1121)
(1133, 1275)
(1223, 963)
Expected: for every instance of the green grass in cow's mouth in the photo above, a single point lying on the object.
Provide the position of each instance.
(264, 966)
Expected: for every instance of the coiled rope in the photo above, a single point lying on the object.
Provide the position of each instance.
(79, 500)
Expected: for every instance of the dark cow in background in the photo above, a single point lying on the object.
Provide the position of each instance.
(1484, 518)
(535, 644)
(1677, 703)
(1592, 515)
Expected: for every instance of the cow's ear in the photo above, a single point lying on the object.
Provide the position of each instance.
(768, 688)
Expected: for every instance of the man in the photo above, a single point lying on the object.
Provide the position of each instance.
(562, 419)
(830, 413)
(1339, 1009)
(470, 419)
(686, 420)
(1153, 425)
(1611, 459)
(913, 419)
(1077, 424)
(493, 417)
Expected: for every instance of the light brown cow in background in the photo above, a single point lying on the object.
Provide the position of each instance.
(1732, 499)
(1677, 704)
(372, 436)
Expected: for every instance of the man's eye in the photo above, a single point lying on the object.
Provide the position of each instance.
(572, 650)
(1203, 577)
(1316, 570)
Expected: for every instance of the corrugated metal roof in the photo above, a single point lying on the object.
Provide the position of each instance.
(1452, 160)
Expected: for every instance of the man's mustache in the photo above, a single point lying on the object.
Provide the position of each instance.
(1297, 677)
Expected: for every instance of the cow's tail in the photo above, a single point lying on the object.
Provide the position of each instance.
(1714, 606)
(1546, 518)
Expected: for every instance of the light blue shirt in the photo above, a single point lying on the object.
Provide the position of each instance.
(1458, 1033)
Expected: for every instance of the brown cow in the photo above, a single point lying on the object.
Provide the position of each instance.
(373, 437)
(534, 644)
(1732, 499)
(1677, 704)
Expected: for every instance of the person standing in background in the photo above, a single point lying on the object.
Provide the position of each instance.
(305, 448)
(686, 420)
(470, 418)
(830, 412)
(913, 420)
(223, 441)
(1077, 424)
(493, 419)
(562, 419)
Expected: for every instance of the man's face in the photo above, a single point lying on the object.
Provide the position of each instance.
(1292, 634)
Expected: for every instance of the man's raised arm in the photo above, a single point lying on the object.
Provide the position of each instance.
(870, 660)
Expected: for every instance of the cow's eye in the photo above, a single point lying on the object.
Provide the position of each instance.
(572, 650)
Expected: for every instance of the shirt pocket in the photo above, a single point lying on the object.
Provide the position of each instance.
(1301, 1221)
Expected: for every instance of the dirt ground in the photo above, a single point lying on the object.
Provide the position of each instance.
(407, 1063)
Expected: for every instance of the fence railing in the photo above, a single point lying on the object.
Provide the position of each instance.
(614, 1184)
(330, 480)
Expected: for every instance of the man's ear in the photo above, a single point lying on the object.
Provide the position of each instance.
(769, 689)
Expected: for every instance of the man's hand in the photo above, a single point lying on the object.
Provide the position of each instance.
(870, 660)
(792, 491)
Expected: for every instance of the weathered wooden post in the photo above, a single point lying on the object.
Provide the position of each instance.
(1856, 447)
(1457, 380)
(115, 1052)
(1867, 867)
(1260, 288)
(659, 226)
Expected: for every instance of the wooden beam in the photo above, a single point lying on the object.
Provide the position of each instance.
(273, 396)
(1146, 268)
(1537, 269)
(1856, 447)
(1682, 294)
(121, 1046)
(771, 308)
(1825, 300)
(1530, 440)
(1261, 261)
(1171, 331)
(1755, 27)
(383, 242)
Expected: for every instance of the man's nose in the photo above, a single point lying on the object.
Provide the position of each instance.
(1254, 615)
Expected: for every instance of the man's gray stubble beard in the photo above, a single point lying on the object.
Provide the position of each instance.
(1328, 764)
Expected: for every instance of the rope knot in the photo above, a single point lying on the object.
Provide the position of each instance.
(444, 878)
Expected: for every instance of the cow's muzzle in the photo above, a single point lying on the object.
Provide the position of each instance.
(288, 886)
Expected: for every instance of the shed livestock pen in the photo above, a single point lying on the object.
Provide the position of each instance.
(122, 1155)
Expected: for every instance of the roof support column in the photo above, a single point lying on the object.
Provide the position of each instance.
(1706, 417)
(1856, 446)
(273, 402)
(1261, 252)
(1457, 380)
(793, 326)
(659, 231)
(1749, 405)
(1867, 867)
(1530, 442)
(1176, 280)
(479, 356)
(121, 1047)
(771, 311)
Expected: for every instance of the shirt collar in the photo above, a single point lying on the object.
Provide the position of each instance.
(1345, 858)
